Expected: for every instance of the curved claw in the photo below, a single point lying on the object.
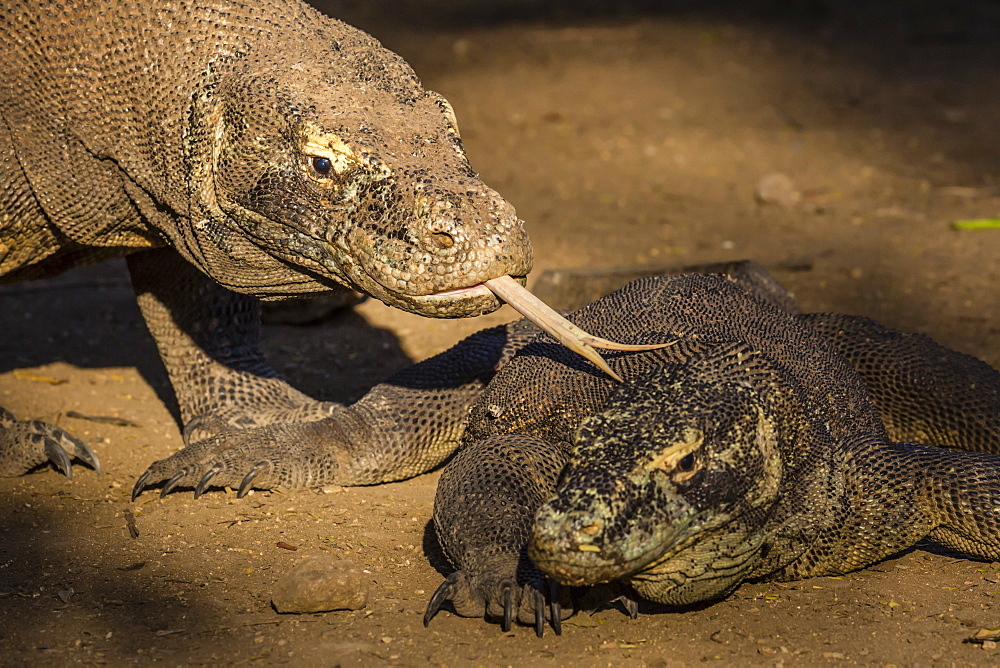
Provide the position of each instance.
(140, 485)
(205, 479)
(84, 452)
(170, 484)
(631, 606)
(80, 449)
(189, 428)
(555, 609)
(57, 455)
(539, 613)
(440, 596)
(508, 608)
(248, 478)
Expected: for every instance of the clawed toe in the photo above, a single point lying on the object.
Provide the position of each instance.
(555, 608)
(539, 613)
(532, 603)
(440, 595)
(217, 474)
(58, 456)
(66, 443)
(248, 479)
(173, 481)
(140, 485)
(631, 606)
(455, 587)
(170, 484)
(82, 452)
(205, 479)
(508, 608)
(190, 432)
(29, 443)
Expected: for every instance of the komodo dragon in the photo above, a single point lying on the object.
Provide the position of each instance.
(763, 445)
(239, 150)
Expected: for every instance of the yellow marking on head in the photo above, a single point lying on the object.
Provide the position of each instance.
(330, 142)
(341, 156)
(667, 460)
(585, 547)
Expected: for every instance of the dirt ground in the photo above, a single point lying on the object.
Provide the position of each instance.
(627, 138)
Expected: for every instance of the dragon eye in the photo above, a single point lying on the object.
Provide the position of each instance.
(322, 166)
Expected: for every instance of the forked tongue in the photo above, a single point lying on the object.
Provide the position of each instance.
(568, 334)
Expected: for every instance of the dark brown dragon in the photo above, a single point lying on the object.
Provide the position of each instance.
(762, 444)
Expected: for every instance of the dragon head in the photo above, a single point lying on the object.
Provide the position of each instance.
(319, 161)
(669, 486)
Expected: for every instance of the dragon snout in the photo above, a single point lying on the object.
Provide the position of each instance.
(586, 536)
(435, 255)
(574, 535)
(570, 546)
(477, 218)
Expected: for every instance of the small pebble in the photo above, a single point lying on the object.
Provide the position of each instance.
(778, 189)
(321, 584)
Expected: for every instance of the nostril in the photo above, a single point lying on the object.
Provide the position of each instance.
(585, 536)
(443, 239)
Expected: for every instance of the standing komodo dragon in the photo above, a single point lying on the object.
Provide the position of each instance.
(764, 444)
(239, 150)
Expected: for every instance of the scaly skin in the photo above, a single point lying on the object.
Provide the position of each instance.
(762, 445)
(239, 150)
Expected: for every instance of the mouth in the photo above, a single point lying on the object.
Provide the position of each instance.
(477, 290)
(587, 563)
(586, 555)
(471, 300)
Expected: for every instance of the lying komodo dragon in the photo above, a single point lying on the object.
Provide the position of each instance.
(239, 150)
(763, 445)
